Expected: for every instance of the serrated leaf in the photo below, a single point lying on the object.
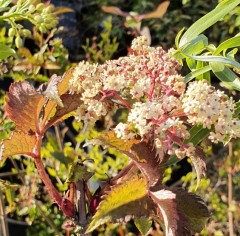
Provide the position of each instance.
(141, 152)
(143, 224)
(70, 103)
(18, 143)
(193, 208)
(123, 202)
(198, 161)
(175, 223)
(5, 51)
(78, 172)
(24, 106)
(180, 211)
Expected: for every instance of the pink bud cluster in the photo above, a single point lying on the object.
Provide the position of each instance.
(147, 82)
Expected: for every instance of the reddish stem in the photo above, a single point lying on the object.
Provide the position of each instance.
(65, 205)
(113, 93)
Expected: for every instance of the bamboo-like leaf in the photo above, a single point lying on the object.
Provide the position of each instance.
(229, 78)
(215, 59)
(197, 134)
(229, 43)
(123, 202)
(196, 73)
(208, 20)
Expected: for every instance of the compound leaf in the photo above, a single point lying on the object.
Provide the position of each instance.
(18, 143)
(123, 203)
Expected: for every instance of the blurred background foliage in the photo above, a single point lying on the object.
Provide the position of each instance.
(85, 32)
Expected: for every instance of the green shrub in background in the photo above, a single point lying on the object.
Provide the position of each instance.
(62, 148)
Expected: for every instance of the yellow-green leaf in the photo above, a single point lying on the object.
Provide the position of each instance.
(122, 203)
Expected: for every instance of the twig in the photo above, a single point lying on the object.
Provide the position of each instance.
(81, 203)
(230, 191)
(10, 173)
(4, 225)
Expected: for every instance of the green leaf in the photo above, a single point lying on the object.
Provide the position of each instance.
(183, 213)
(78, 171)
(5, 51)
(122, 203)
(193, 208)
(196, 45)
(143, 224)
(177, 38)
(229, 78)
(197, 134)
(196, 73)
(208, 20)
(220, 59)
(229, 43)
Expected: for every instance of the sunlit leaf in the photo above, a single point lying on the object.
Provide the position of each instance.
(114, 10)
(143, 224)
(229, 78)
(5, 51)
(61, 10)
(158, 13)
(180, 211)
(175, 224)
(78, 171)
(70, 103)
(196, 73)
(123, 203)
(197, 134)
(229, 43)
(18, 143)
(50, 89)
(24, 105)
(141, 152)
(208, 20)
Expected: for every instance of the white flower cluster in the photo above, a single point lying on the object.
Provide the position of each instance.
(213, 109)
(148, 84)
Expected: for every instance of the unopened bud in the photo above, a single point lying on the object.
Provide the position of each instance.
(40, 7)
(38, 19)
(31, 8)
(11, 32)
(18, 42)
(26, 33)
